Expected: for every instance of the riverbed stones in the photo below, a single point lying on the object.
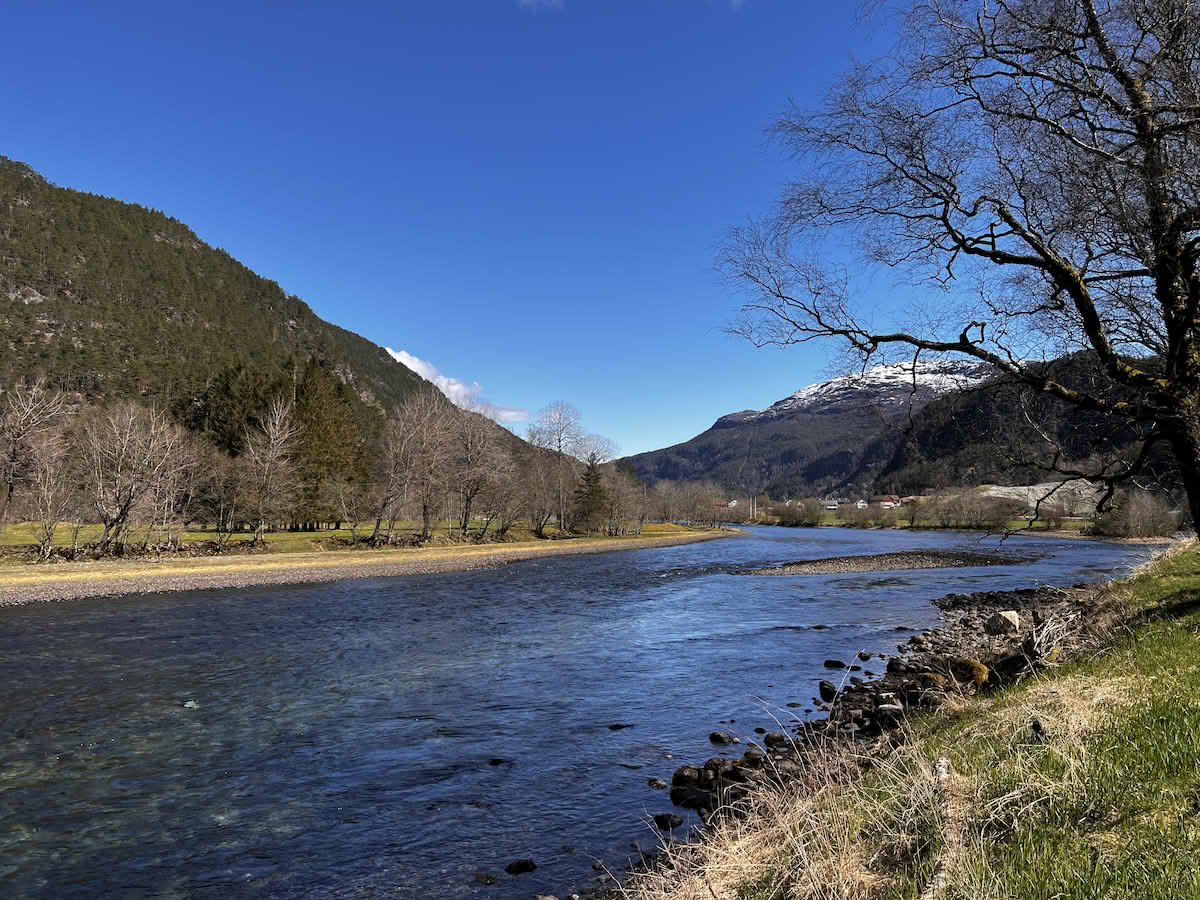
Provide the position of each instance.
(657, 783)
(775, 739)
(668, 821)
(834, 664)
(520, 866)
(617, 726)
(864, 655)
(721, 737)
(191, 704)
(889, 714)
(967, 671)
(828, 691)
(687, 797)
(686, 775)
(1003, 622)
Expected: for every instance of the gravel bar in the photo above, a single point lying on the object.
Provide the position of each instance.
(891, 562)
(73, 581)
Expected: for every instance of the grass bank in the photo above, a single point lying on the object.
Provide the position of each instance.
(64, 581)
(1082, 781)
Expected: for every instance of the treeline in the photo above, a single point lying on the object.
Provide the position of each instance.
(295, 450)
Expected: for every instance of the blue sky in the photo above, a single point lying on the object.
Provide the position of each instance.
(525, 195)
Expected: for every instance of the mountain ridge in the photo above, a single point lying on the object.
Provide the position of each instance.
(110, 299)
(826, 436)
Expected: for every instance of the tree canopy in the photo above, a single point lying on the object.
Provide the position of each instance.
(1038, 163)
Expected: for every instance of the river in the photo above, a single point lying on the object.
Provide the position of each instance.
(399, 736)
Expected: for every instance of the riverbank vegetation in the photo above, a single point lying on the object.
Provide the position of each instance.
(262, 458)
(1078, 781)
(1131, 513)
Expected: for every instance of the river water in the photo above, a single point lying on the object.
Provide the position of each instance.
(396, 736)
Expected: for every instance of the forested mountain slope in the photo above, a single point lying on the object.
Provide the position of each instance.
(110, 299)
(886, 432)
(825, 437)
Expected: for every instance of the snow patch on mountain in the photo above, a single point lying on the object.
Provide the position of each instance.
(890, 388)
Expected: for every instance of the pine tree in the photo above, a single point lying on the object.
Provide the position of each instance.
(590, 497)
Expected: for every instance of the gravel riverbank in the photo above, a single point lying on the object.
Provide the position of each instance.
(891, 562)
(72, 581)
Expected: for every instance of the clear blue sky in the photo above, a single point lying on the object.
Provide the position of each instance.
(526, 195)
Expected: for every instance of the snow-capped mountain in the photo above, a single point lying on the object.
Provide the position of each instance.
(889, 389)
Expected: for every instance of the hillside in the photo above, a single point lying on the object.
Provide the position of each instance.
(830, 436)
(110, 299)
(884, 431)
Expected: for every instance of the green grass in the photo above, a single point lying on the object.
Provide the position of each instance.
(22, 534)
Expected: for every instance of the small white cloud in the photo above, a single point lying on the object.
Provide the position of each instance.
(540, 4)
(460, 393)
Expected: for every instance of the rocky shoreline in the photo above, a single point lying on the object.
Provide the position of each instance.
(986, 640)
(891, 562)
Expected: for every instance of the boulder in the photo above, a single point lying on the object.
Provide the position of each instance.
(667, 821)
(721, 737)
(691, 798)
(967, 671)
(520, 866)
(888, 714)
(897, 666)
(657, 783)
(864, 655)
(828, 691)
(753, 757)
(775, 739)
(1005, 622)
(686, 775)
(834, 664)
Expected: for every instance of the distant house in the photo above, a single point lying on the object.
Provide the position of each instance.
(830, 504)
(861, 504)
(886, 501)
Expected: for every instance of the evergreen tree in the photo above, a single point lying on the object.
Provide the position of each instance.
(590, 497)
(331, 448)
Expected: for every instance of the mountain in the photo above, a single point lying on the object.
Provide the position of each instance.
(830, 436)
(111, 299)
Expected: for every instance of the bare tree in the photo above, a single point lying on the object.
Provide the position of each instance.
(269, 451)
(558, 428)
(171, 495)
(475, 458)
(627, 504)
(126, 450)
(25, 412)
(53, 491)
(539, 477)
(224, 493)
(1040, 161)
(502, 501)
(424, 419)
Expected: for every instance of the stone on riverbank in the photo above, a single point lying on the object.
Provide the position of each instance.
(1004, 622)
(828, 691)
(520, 866)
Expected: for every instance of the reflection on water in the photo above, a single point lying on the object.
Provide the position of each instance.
(401, 735)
